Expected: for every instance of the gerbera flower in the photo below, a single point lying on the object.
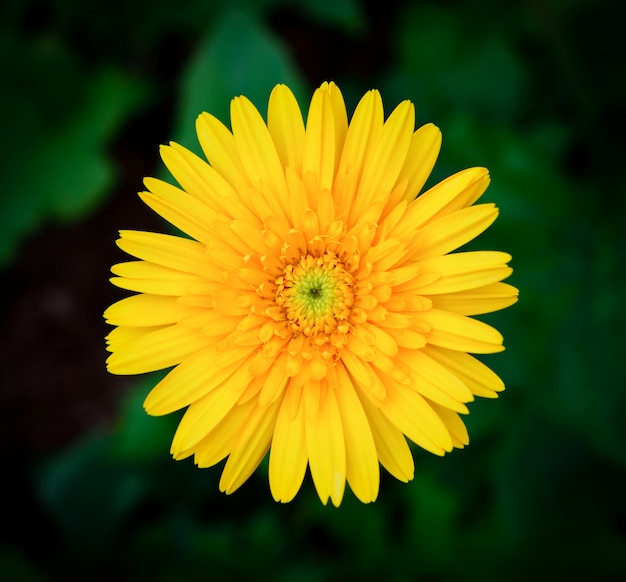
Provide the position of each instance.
(315, 312)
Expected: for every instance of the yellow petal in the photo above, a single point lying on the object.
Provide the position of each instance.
(363, 375)
(285, 124)
(326, 448)
(204, 414)
(218, 443)
(386, 254)
(288, 454)
(457, 332)
(454, 424)
(366, 124)
(145, 277)
(262, 163)
(386, 158)
(193, 378)
(186, 213)
(455, 192)
(275, 381)
(147, 310)
(340, 119)
(420, 159)
(362, 469)
(479, 378)
(297, 198)
(477, 301)
(448, 233)
(187, 168)
(250, 448)
(320, 140)
(434, 381)
(409, 338)
(156, 350)
(391, 446)
(463, 271)
(405, 408)
(201, 181)
(383, 340)
(250, 233)
(121, 337)
(220, 149)
(166, 250)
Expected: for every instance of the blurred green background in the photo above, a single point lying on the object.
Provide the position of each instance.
(534, 90)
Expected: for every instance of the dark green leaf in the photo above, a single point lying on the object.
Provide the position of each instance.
(56, 164)
(238, 57)
(87, 492)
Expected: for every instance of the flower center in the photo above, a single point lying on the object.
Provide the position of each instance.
(316, 295)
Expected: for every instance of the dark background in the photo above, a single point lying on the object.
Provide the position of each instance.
(533, 90)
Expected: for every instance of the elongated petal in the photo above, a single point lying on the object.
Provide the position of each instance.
(250, 448)
(146, 277)
(205, 414)
(391, 446)
(320, 140)
(220, 149)
(361, 458)
(412, 414)
(477, 301)
(366, 124)
(263, 165)
(286, 126)
(157, 350)
(457, 332)
(420, 159)
(165, 250)
(184, 212)
(288, 457)
(435, 381)
(453, 193)
(198, 375)
(218, 443)
(386, 159)
(480, 379)
(463, 271)
(454, 424)
(454, 230)
(325, 445)
(147, 310)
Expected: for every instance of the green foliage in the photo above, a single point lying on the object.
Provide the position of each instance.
(346, 14)
(88, 492)
(58, 120)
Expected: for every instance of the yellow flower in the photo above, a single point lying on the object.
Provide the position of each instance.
(315, 313)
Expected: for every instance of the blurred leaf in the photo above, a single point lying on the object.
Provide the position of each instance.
(589, 391)
(346, 14)
(485, 416)
(525, 183)
(431, 509)
(445, 64)
(549, 485)
(57, 123)
(238, 57)
(351, 529)
(139, 436)
(87, 492)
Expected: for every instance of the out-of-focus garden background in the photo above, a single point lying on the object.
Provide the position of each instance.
(533, 90)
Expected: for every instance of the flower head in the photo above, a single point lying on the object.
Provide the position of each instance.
(314, 312)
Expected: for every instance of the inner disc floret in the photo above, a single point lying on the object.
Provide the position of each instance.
(316, 295)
